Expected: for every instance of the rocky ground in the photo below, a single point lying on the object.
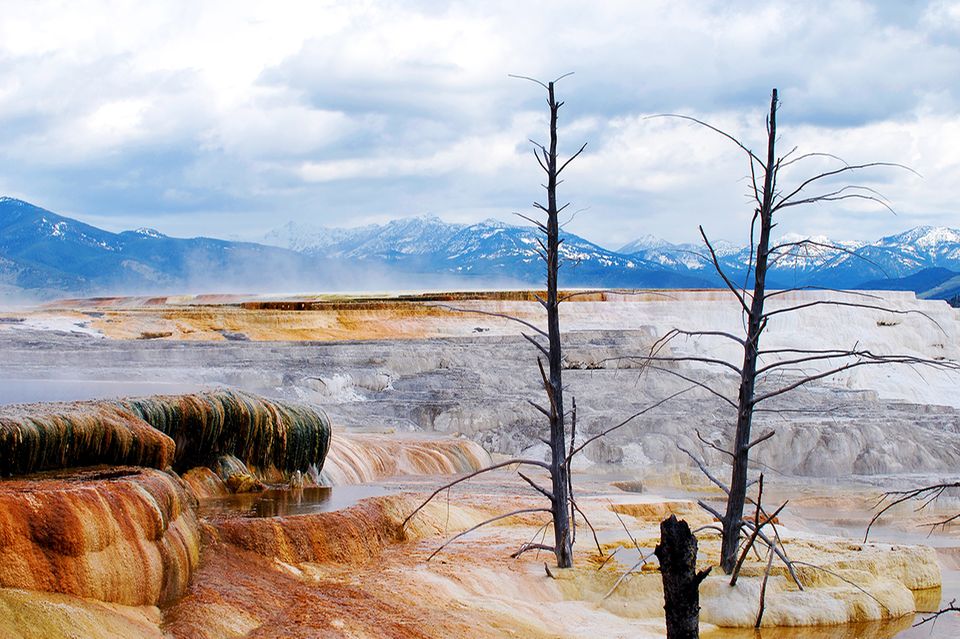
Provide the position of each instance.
(427, 371)
(472, 374)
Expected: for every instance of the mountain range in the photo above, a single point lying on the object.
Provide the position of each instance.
(46, 255)
(43, 254)
(494, 248)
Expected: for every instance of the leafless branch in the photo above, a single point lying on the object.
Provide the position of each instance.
(524, 77)
(753, 158)
(571, 159)
(709, 443)
(505, 316)
(762, 438)
(514, 513)
(643, 560)
(843, 579)
(893, 311)
(537, 344)
(682, 358)
(807, 156)
(586, 519)
(705, 471)
(951, 607)
(539, 408)
(543, 491)
(751, 540)
(763, 589)
(896, 497)
(838, 198)
(738, 293)
(625, 529)
(832, 247)
(468, 476)
(695, 382)
(529, 546)
(532, 220)
(844, 169)
(886, 359)
(675, 332)
(810, 287)
(623, 423)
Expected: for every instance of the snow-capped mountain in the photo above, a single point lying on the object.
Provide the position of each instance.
(49, 254)
(818, 260)
(427, 244)
(490, 249)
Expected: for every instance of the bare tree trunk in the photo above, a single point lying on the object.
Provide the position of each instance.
(748, 372)
(677, 552)
(558, 449)
(562, 504)
(770, 198)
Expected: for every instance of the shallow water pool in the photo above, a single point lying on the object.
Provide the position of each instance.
(287, 502)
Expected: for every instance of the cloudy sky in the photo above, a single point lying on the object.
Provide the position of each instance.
(230, 118)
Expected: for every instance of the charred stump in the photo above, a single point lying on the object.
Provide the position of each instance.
(677, 552)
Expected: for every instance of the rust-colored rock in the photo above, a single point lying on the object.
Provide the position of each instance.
(122, 535)
(354, 535)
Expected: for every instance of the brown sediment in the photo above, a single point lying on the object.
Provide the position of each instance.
(240, 594)
(656, 511)
(406, 321)
(354, 573)
(204, 483)
(629, 486)
(354, 535)
(358, 573)
(121, 535)
(316, 317)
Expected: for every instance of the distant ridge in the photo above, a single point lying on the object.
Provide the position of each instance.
(44, 254)
(490, 246)
(48, 255)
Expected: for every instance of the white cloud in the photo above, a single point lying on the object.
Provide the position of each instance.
(366, 110)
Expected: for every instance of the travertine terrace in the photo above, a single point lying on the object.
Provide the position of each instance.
(419, 387)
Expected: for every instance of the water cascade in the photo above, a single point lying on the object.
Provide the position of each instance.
(362, 458)
(265, 434)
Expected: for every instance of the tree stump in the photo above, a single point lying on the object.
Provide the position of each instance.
(677, 552)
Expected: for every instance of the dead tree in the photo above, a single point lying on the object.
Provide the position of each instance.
(677, 552)
(759, 365)
(562, 503)
(923, 496)
(553, 383)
